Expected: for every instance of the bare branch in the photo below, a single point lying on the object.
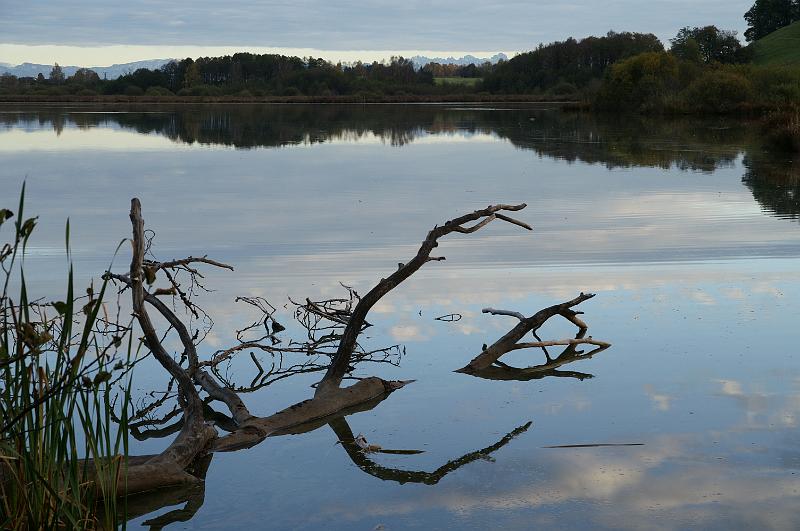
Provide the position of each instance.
(562, 342)
(186, 261)
(195, 434)
(504, 312)
(511, 340)
(341, 362)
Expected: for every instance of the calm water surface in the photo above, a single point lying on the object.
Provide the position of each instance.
(687, 231)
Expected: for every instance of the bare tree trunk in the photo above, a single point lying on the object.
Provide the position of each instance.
(166, 468)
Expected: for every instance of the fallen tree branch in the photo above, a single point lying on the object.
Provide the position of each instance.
(196, 436)
(500, 371)
(562, 342)
(513, 339)
(341, 361)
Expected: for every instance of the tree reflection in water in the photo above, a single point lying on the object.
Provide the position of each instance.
(696, 144)
(192, 496)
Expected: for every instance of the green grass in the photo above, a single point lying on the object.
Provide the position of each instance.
(465, 81)
(780, 47)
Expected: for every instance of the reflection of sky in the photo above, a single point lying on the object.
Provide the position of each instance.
(696, 292)
(29, 138)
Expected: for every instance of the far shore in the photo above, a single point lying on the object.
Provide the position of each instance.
(405, 98)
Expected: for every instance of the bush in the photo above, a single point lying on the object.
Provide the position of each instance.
(782, 131)
(86, 92)
(133, 90)
(158, 91)
(640, 82)
(718, 91)
(786, 93)
(564, 89)
(776, 85)
(56, 91)
(201, 90)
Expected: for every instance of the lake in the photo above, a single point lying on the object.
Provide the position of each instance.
(686, 229)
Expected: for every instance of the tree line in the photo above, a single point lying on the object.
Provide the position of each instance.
(247, 74)
(570, 69)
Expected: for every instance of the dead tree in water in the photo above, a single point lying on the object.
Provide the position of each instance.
(512, 340)
(501, 371)
(196, 436)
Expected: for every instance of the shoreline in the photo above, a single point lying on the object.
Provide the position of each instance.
(406, 98)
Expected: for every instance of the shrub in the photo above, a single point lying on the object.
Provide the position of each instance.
(201, 90)
(718, 91)
(133, 90)
(564, 89)
(782, 131)
(786, 93)
(640, 82)
(56, 91)
(158, 91)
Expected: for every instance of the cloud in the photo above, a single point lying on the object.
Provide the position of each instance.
(406, 333)
(661, 486)
(661, 402)
(350, 25)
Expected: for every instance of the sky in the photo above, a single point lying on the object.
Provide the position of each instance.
(99, 32)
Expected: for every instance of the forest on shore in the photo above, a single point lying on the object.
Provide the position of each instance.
(704, 70)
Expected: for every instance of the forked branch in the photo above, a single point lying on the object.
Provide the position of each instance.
(341, 361)
(513, 339)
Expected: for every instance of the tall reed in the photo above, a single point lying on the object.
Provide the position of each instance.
(61, 452)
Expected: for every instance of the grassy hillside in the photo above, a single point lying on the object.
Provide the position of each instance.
(780, 47)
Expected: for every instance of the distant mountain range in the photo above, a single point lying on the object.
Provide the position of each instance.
(110, 72)
(421, 60)
(116, 70)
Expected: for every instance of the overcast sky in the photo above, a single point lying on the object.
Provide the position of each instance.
(82, 31)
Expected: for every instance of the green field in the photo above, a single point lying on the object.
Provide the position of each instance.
(465, 81)
(780, 47)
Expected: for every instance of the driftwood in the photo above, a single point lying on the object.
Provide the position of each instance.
(512, 340)
(340, 363)
(331, 346)
(500, 371)
(196, 436)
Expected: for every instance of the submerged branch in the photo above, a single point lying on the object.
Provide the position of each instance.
(341, 361)
(512, 340)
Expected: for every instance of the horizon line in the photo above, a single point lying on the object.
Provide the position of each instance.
(108, 55)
